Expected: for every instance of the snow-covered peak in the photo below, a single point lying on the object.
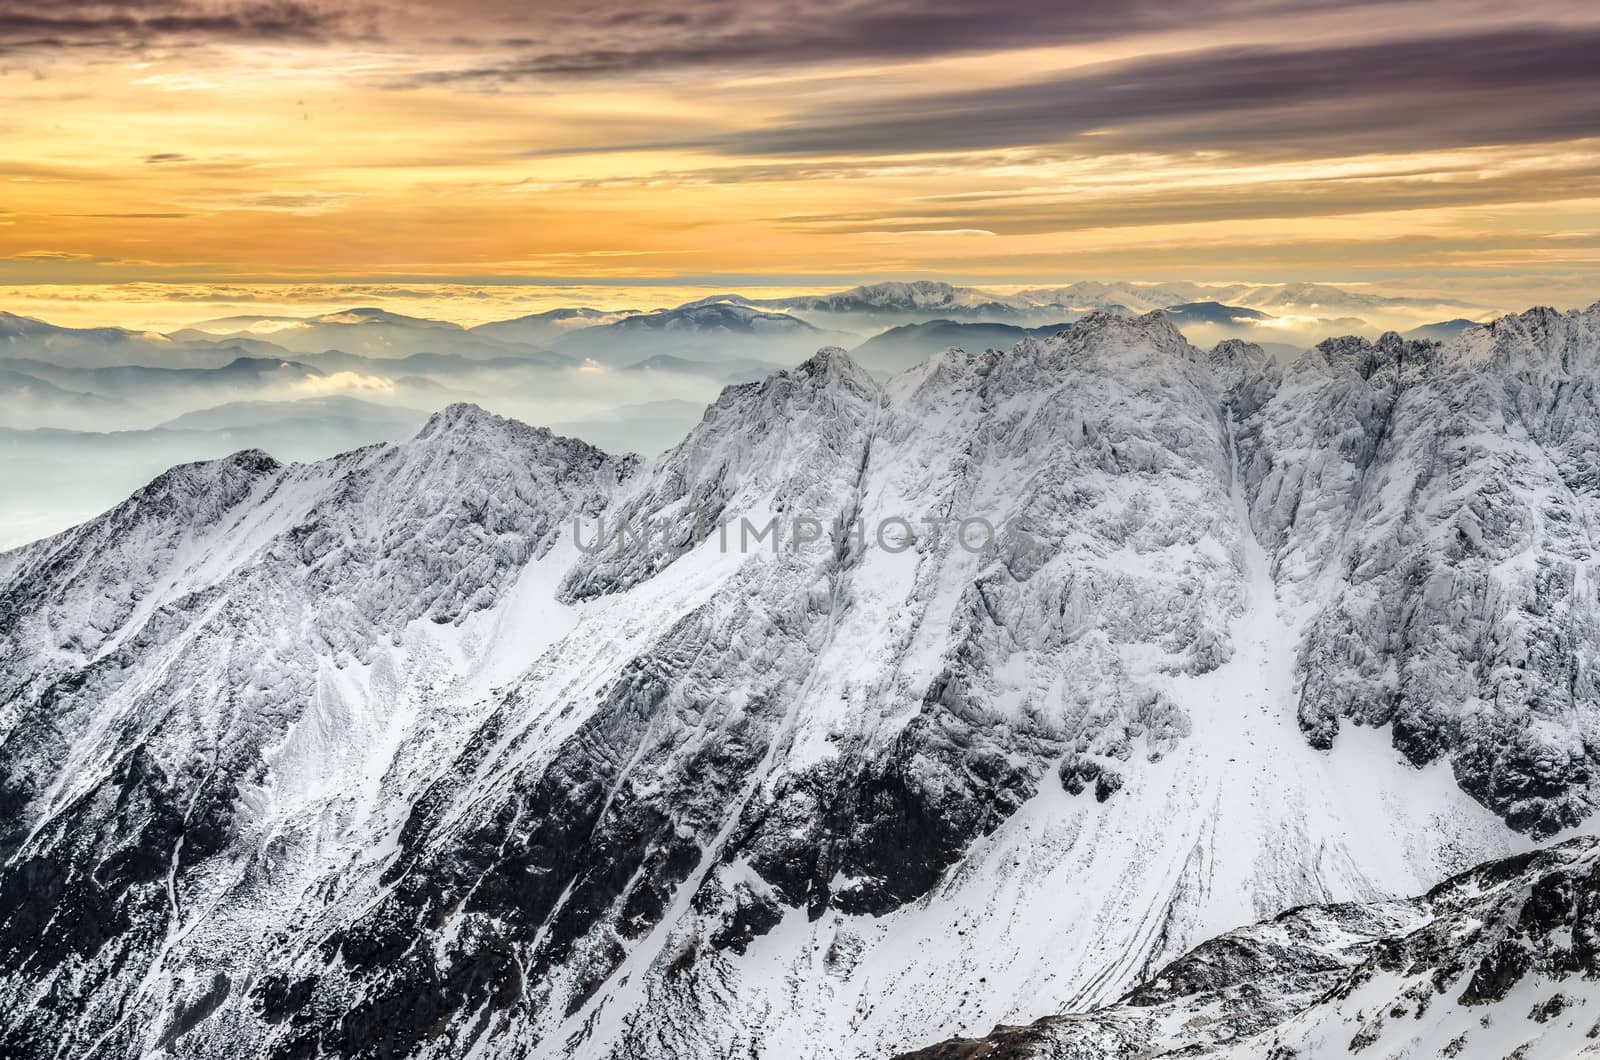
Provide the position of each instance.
(455, 414)
(464, 416)
(1235, 359)
(788, 442)
(917, 294)
(714, 315)
(784, 394)
(80, 589)
(832, 365)
(1105, 333)
(466, 424)
(458, 508)
(180, 502)
(1367, 358)
(1542, 340)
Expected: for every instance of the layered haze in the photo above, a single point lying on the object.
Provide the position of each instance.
(87, 414)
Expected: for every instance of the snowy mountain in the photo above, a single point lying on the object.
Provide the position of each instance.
(1311, 311)
(874, 307)
(1500, 961)
(1321, 298)
(1046, 666)
(715, 331)
(1453, 490)
(1310, 299)
(917, 297)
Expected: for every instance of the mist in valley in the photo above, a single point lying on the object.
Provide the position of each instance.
(88, 415)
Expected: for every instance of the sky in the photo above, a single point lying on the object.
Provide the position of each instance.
(461, 148)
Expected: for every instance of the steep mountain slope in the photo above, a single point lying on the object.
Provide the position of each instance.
(869, 715)
(1499, 961)
(1432, 509)
(204, 689)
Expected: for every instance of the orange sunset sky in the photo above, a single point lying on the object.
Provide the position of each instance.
(476, 152)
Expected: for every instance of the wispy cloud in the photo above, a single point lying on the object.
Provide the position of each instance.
(627, 38)
(643, 140)
(1267, 195)
(294, 202)
(1536, 83)
(46, 256)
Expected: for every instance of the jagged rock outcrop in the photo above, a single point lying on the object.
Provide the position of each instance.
(1499, 961)
(1432, 510)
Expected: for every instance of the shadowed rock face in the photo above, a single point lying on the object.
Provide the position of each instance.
(1500, 960)
(366, 758)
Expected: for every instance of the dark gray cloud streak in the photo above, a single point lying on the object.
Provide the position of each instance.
(1531, 84)
(537, 40)
(1411, 89)
(1031, 214)
(28, 25)
(671, 35)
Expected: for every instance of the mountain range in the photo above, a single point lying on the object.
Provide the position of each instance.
(1057, 667)
(585, 368)
(64, 377)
